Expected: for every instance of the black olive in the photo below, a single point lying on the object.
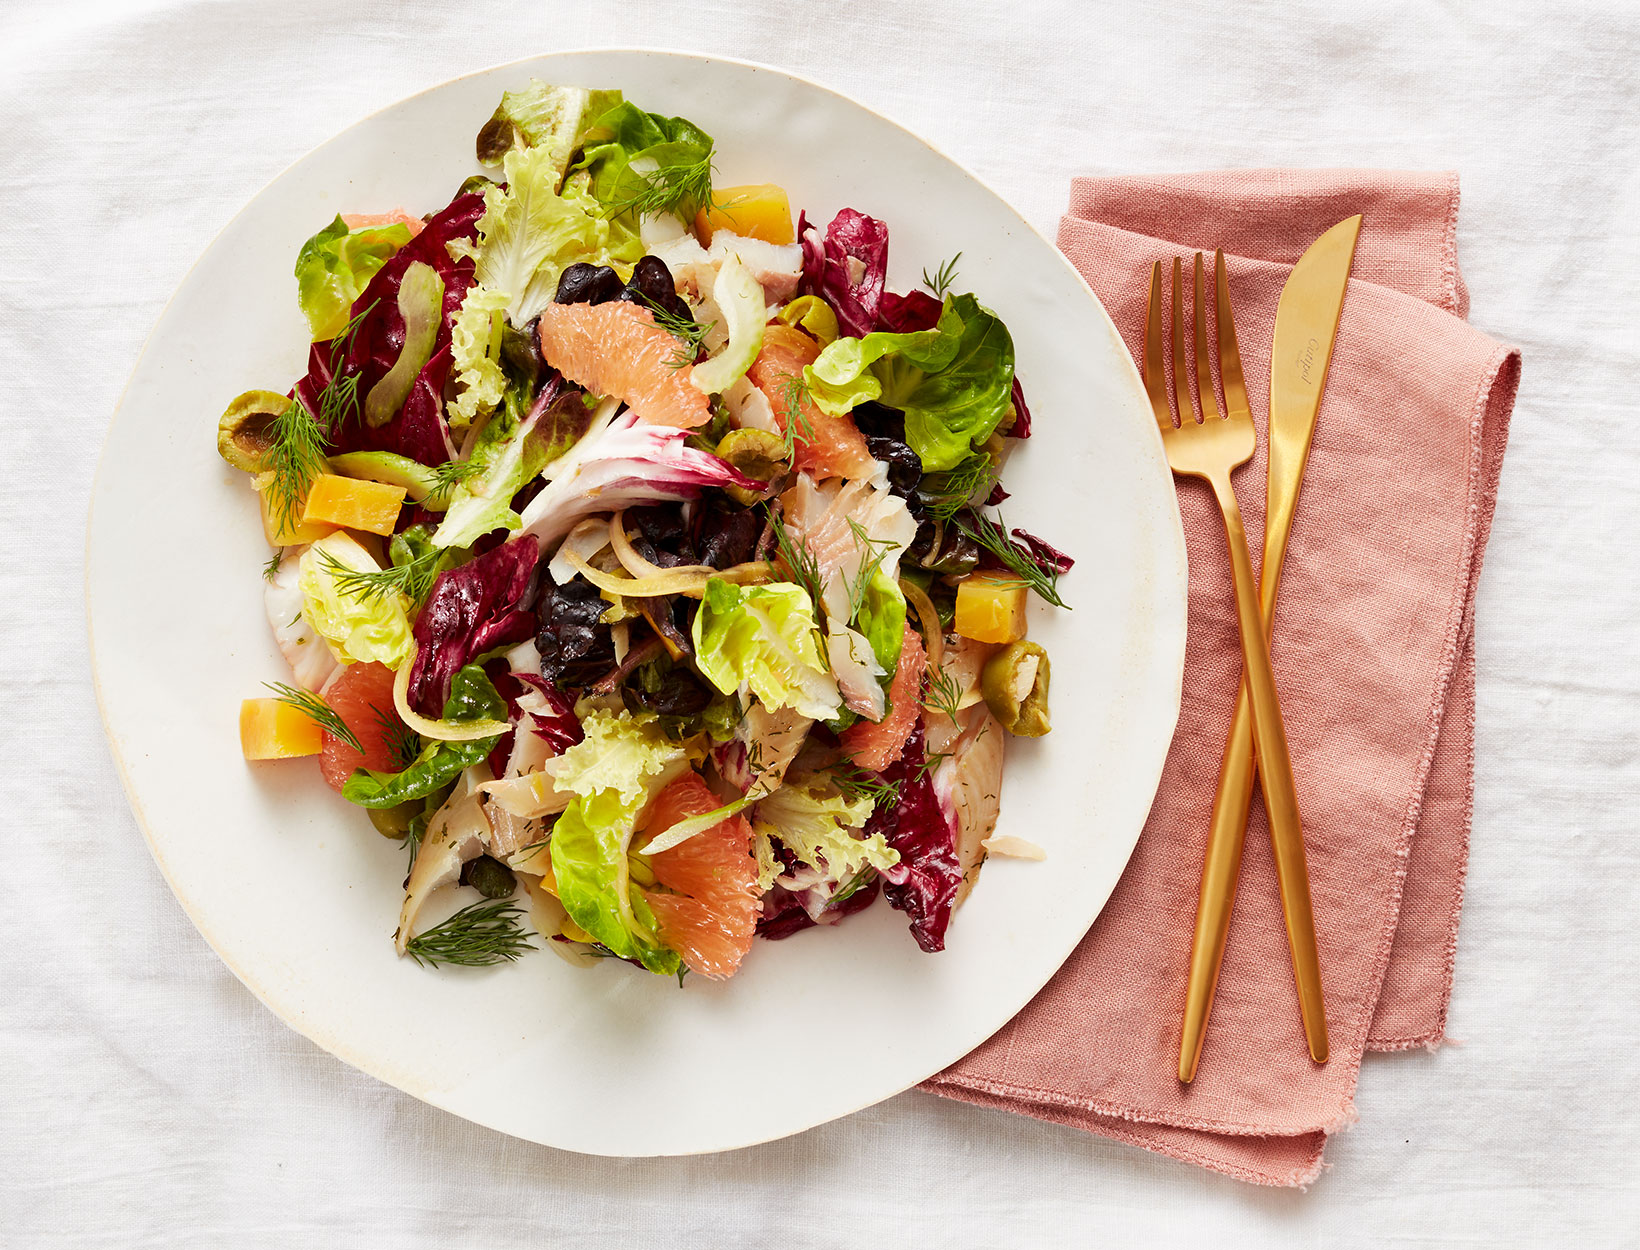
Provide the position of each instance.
(727, 534)
(582, 283)
(876, 420)
(651, 285)
(904, 465)
(576, 648)
(678, 693)
(490, 877)
(663, 538)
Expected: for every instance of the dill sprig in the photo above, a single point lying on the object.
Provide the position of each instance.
(317, 711)
(877, 550)
(270, 570)
(414, 580)
(449, 475)
(689, 332)
(478, 935)
(794, 391)
(805, 569)
(942, 693)
(857, 783)
(413, 836)
(403, 743)
(947, 493)
(1027, 572)
(940, 283)
(682, 190)
(931, 761)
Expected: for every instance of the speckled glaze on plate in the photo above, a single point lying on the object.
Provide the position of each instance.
(299, 896)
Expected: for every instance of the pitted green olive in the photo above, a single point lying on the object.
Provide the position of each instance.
(245, 432)
(756, 453)
(1015, 685)
(394, 822)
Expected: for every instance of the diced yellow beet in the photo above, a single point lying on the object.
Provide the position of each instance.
(297, 532)
(991, 608)
(754, 212)
(354, 503)
(270, 729)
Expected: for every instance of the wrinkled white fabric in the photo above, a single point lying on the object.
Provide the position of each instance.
(149, 1100)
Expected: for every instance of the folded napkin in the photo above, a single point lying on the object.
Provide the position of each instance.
(1374, 657)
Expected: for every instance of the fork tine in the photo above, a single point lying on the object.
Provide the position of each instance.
(1155, 377)
(1204, 358)
(1180, 386)
(1235, 389)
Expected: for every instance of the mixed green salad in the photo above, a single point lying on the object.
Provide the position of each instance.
(633, 554)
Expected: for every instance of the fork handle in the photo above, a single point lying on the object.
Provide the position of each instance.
(1275, 768)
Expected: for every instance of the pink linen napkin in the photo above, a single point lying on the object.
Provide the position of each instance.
(1374, 656)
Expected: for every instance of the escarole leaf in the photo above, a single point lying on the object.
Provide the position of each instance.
(590, 865)
(335, 265)
(824, 830)
(953, 382)
(529, 234)
(542, 116)
(473, 697)
(764, 637)
(360, 621)
(475, 356)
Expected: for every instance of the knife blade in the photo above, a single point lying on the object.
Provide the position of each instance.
(1306, 328)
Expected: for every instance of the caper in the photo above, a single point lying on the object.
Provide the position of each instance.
(489, 876)
(756, 453)
(245, 432)
(394, 822)
(1015, 685)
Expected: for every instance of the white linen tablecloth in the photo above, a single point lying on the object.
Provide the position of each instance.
(148, 1100)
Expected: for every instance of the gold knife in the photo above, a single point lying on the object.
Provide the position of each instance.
(1306, 325)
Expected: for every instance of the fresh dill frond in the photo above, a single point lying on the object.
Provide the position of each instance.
(295, 456)
(682, 190)
(805, 569)
(794, 393)
(340, 398)
(449, 475)
(683, 971)
(940, 283)
(317, 711)
(1024, 566)
(857, 783)
(942, 694)
(689, 332)
(403, 743)
(270, 570)
(947, 493)
(478, 935)
(931, 761)
(877, 550)
(413, 580)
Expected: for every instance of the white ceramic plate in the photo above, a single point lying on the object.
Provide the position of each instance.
(299, 896)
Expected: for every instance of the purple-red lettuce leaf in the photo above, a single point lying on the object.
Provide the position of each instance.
(1021, 428)
(473, 608)
(1047, 557)
(846, 267)
(901, 314)
(924, 883)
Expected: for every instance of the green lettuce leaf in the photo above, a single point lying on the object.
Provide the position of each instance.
(626, 754)
(638, 162)
(362, 623)
(589, 862)
(530, 234)
(953, 382)
(881, 618)
(475, 354)
(764, 637)
(335, 265)
(542, 116)
(822, 829)
(472, 697)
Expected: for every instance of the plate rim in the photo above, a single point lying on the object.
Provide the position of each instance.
(320, 1038)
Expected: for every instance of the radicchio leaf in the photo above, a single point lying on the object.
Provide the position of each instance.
(924, 884)
(1021, 428)
(854, 290)
(915, 310)
(473, 608)
(1048, 557)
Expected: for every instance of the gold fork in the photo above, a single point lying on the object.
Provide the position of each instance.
(1207, 446)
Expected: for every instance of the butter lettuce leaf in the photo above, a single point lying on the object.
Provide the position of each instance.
(881, 619)
(589, 862)
(953, 382)
(362, 624)
(638, 163)
(764, 638)
(335, 265)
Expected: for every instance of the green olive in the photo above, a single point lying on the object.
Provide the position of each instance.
(1015, 685)
(245, 432)
(394, 822)
(756, 453)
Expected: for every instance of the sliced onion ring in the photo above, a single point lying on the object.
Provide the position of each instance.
(443, 730)
(918, 598)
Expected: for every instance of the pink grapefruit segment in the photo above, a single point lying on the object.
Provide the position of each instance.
(875, 747)
(616, 350)
(827, 446)
(712, 917)
(363, 697)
